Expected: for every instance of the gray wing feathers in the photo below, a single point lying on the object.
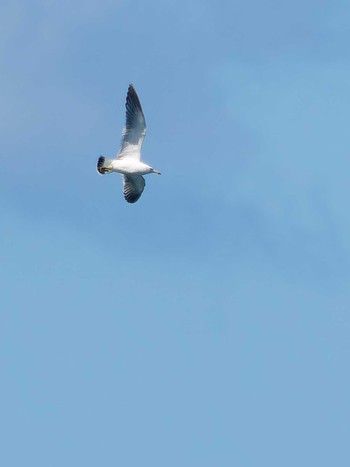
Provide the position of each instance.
(133, 187)
(135, 126)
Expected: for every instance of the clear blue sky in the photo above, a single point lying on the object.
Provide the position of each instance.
(208, 324)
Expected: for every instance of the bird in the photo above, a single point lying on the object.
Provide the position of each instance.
(128, 160)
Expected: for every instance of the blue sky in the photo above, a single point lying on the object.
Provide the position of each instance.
(208, 324)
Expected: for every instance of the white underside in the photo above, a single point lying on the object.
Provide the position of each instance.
(130, 166)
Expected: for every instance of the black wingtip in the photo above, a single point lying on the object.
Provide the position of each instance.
(132, 199)
(131, 89)
(132, 98)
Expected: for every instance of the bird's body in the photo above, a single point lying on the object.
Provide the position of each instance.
(130, 166)
(128, 160)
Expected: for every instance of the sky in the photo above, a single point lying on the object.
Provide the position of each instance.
(207, 324)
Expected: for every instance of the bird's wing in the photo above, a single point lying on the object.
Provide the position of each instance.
(133, 187)
(135, 127)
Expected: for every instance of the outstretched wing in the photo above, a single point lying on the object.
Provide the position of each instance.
(133, 187)
(135, 127)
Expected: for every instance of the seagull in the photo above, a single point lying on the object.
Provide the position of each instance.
(128, 160)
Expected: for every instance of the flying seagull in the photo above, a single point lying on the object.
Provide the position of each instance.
(128, 160)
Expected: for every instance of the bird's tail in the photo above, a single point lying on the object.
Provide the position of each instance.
(104, 165)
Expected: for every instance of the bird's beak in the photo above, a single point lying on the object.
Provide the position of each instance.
(156, 172)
